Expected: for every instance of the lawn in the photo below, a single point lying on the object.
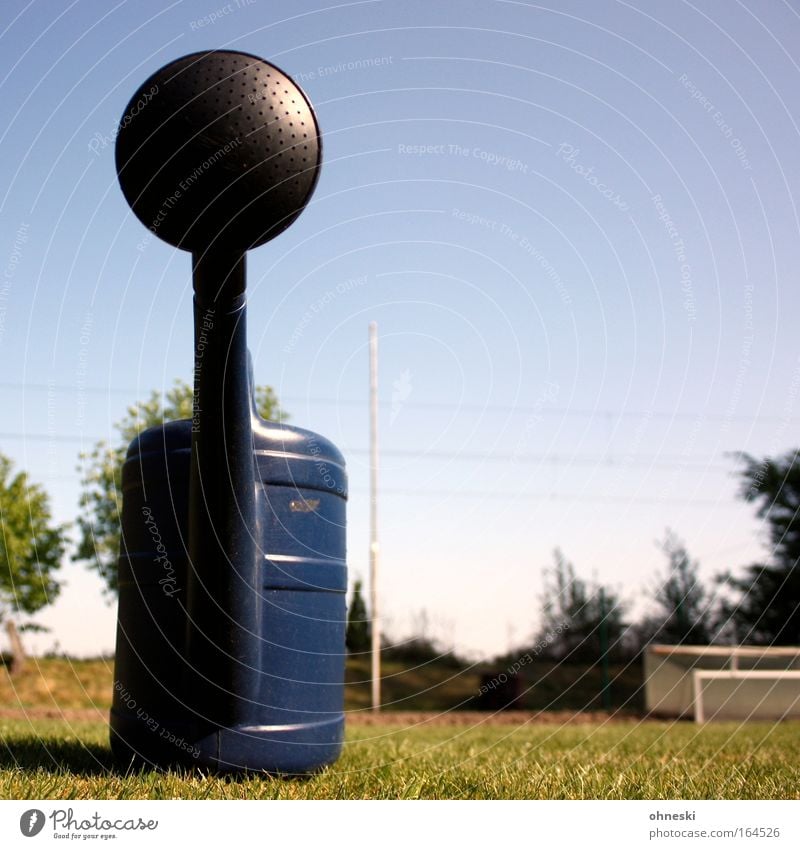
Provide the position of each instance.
(54, 744)
(625, 760)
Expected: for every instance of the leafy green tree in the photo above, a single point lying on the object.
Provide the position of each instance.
(358, 631)
(765, 609)
(101, 471)
(577, 618)
(682, 604)
(31, 547)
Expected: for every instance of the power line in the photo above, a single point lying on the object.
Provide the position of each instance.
(517, 409)
(508, 495)
(616, 461)
(624, 461)
(541, 411)
(47, 437)
(513, 495)
(72, 387)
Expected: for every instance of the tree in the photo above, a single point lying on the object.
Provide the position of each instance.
(101, 471)
(31, 549)
(577, 618)
(766, 609)
(357, 637)
(682, 604)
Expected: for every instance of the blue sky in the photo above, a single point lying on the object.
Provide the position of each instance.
(575, 224)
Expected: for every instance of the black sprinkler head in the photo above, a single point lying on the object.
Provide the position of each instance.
(218, 150)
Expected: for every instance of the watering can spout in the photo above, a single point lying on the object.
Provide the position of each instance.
(222, 639)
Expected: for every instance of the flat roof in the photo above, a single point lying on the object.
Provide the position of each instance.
(726, 651)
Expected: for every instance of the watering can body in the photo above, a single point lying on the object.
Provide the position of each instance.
(232, 575)
(271, 696)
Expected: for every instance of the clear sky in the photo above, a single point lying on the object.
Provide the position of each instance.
(575, 223)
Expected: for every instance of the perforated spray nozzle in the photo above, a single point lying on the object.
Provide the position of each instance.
(218, 150)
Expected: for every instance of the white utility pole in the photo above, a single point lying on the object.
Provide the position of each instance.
(374, 551)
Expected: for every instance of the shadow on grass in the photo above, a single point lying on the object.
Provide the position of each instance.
(58, 756)
(84, 760)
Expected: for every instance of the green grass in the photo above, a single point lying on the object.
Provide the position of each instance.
(55, 760)
(58, 683)
(68, 757)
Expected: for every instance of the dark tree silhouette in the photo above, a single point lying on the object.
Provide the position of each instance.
(578, 619)
(357, 637)
(765, 609)
(683, 606)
